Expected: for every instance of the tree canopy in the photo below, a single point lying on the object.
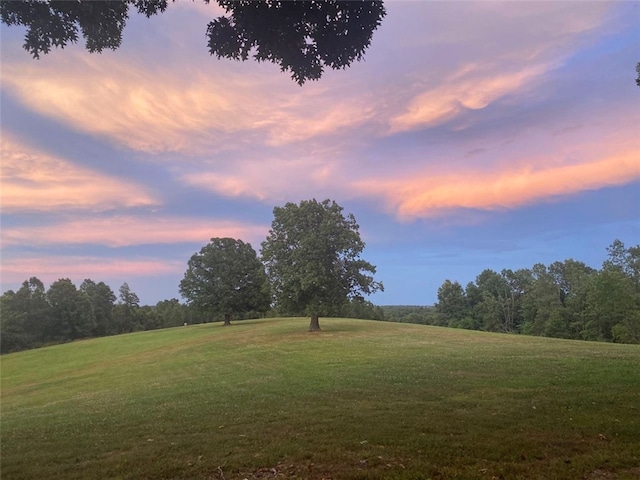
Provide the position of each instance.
(302, 37)
(34, 316)
(312, 257)
(566, 299)
(226, 277)
(71, 313)
(102, 300)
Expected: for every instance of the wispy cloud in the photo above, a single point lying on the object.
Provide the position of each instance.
(175, 108)
(49, 269)
(33, 180)
(297, 172)
(426, 195)
(133, 105)
(121, 231)
(471, 88)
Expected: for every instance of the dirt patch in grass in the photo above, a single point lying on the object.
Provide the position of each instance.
(610, 474)
(600, 474)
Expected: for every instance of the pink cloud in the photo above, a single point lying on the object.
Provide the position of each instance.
(426, 195)
(137, 107)
(531, 165)
(120, 231)
(156, 108)
(297, 171)
(49, 269)
(34, 180)
(471, 88)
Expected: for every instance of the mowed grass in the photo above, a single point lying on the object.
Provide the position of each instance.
(361, 399)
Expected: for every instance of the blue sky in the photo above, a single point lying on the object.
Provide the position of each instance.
(473, 135)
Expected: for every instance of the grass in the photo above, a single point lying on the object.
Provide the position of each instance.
(359, 400)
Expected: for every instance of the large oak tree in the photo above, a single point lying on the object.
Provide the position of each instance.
(312, 256)
(302, 37)
(226, 277)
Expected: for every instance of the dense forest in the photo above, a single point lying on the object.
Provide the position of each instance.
(566, 299)
(34, 316)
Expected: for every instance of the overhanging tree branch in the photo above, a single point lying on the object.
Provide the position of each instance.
(302, 37)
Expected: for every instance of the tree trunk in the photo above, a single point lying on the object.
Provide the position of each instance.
(227, 319)
(314, 326)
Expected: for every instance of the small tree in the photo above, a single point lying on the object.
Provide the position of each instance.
(312, 255)
(226, 276)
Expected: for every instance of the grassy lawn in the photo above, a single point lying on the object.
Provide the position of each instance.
(361, 399)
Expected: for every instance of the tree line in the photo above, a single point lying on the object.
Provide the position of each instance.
(310, 265)
(566, 299)
(420, 314)
(34, 316)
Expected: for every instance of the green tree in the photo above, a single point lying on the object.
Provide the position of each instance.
(410, 314)
(474, 297)
(518, 282)
(611, 302)
(102, 301)
(148, 318)
(171, 313)
(613, 299)
(13, 336)
(542, 304)
(28, 313)
(625, 260)
(302, 37)
(226, 277)
(126, 313)
(453, 305)
(312, 255)
(71, 313)
(499, 293)
(572, 279)
(358, 307)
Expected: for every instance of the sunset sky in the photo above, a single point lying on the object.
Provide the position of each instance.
(473, 135)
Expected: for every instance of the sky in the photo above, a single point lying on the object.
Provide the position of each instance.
(472, 135)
